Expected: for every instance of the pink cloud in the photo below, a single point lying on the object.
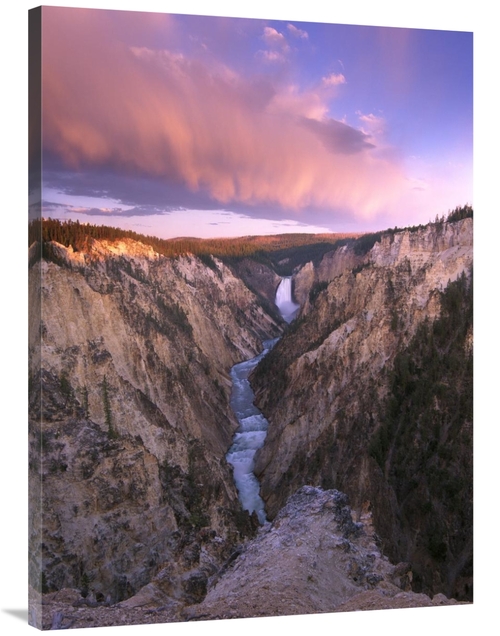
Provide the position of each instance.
(298, 33)
(274, 38)
(289, 100)
(158, 113)
(271, 56)
(372, 124)
(334, 80)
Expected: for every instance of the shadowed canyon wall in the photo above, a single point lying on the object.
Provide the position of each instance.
(133, 386)
(371, 393)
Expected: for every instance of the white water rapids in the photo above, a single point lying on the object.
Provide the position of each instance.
(250, 435)
(253, 427)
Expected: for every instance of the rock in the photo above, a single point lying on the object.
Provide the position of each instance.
(148, 596)
(324, 387)
(307, 560)
(140, 513)
(129, 460)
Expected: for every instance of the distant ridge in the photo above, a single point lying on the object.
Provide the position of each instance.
(275, 249)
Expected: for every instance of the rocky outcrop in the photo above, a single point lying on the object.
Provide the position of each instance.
(313, 558)
(333, 264)
(326, 389)
(419, 246)
(132, 383)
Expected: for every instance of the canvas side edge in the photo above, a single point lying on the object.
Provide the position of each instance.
(35, 572)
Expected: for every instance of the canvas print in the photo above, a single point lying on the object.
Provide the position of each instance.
(251, 303)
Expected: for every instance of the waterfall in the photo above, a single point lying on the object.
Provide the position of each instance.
(284, 301)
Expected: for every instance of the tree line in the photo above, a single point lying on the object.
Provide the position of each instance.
(285, 251)
(79, 236)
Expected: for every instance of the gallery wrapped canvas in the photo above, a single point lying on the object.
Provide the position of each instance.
(250, 318)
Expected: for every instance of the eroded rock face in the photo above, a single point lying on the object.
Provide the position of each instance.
(312, 558)
(132, 383)
(325, 386)
(259, 276)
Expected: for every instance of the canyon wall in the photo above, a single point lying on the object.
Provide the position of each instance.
(132, 383)
(350, 408)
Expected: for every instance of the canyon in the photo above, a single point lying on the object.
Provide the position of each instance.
(134, 513)
(353, 407)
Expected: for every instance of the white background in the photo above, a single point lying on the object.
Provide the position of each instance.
(479, 17)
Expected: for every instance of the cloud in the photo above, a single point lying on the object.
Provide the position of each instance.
(290, 100)
(123, 212)
(100, 211)
(118, 117)
(372, 124)
(335, 79)
(274, 38)
(338, 137)
(279, 48)
(49, 207)
(298, 33)
(419, 185)
(271, 56)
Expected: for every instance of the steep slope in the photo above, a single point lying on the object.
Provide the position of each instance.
(328, 388)
(132, 382)
(261, 278)
(313, 558)
(258, 276)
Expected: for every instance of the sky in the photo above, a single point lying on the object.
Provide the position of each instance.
(189, 125)
(184, 125)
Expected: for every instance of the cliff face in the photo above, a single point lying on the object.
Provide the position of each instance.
(368, 392)
(259, 277)
(133, 387)
(329, 385)
(313, 558)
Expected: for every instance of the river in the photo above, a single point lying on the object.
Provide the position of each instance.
(253, 425)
